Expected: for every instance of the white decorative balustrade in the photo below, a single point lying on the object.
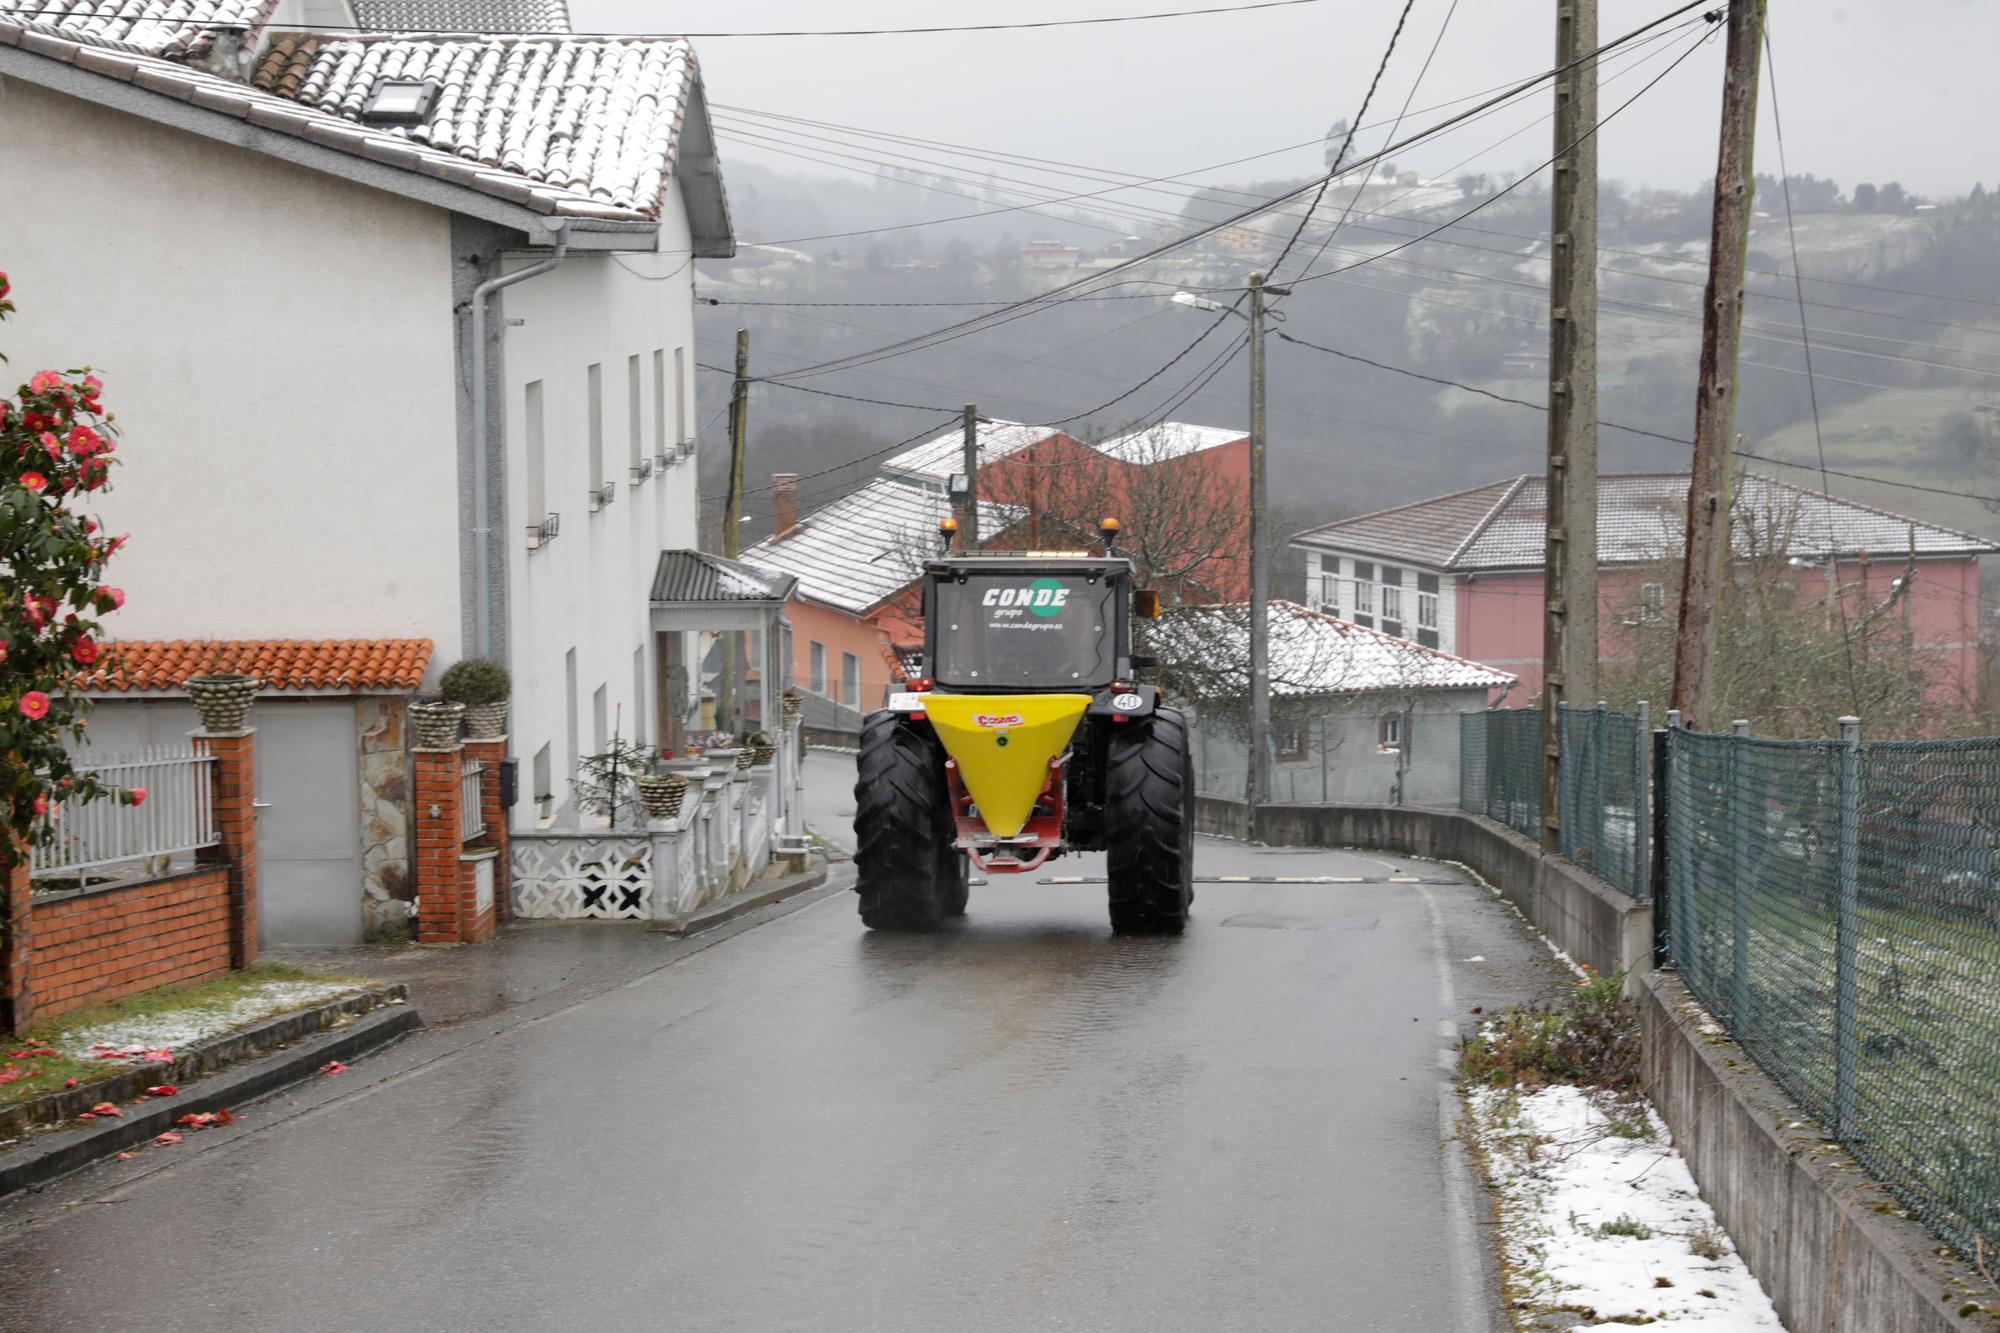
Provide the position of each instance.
(582, 876)
(177, 816)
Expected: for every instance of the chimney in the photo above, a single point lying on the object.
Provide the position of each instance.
(784, 503)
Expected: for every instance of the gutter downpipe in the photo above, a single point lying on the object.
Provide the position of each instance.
(482, 523)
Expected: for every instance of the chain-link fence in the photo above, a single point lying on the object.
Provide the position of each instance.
(1837, 906)
(1385, 753)
(1603, 785)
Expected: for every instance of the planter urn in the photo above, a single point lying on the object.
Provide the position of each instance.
(795, 705)
(486, 722)
(436, 724)
(223, 699)
(661, 794)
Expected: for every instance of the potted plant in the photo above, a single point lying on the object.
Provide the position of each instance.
(483, 686)
(661, 793)
(605, 784)
(759, 749)
(222, 698)
(435, 719)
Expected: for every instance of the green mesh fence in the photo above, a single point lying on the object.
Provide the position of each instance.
(1837, 906)
(1507, 785)
(1603, 790)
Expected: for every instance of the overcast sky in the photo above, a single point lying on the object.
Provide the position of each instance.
(1872, 89)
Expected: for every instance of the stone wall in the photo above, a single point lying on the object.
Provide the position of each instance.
(385, 817)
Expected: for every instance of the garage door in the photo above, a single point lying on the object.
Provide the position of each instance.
(308, 825)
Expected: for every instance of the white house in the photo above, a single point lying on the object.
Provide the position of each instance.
(290, 254)
(1357, 715)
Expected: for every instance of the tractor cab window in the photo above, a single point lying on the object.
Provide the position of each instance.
(1024, 631)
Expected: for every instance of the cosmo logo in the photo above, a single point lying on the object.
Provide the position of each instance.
(996, 719)
(1044, 597)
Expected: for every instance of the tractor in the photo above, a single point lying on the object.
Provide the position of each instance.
(1026, 737)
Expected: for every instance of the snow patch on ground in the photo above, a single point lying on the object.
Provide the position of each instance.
(1591, 1220)
(177, 1029)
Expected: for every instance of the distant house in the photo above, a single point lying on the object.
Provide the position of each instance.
(1463, 572)
(857, 598)
(1357, 715)
(276, 236)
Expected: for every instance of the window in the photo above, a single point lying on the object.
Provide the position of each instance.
(545, 792)
(596, 374)
(1364, 593)
(680, 401)
(1329, 585)
(1293, 741)
(538, 470)
(1652, 601)
(818, 668)
(850, 680)
(600, 718)
(569, 707)
(635, 393)
(1392, 603)
(639, 694)
(1427, 610)
(1389, 732)
(660, 403)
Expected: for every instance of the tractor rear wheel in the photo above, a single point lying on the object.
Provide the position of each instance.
(957, 880)
(902, 827)
(1149, 820)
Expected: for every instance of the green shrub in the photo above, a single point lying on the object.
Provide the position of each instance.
(476, 681)
(1591, 1041)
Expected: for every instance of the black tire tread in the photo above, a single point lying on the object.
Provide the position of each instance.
(902, 826)
(1150, 826)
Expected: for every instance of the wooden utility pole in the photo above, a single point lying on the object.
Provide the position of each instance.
(968, 503)
(1258, 784)
(1721, 336)
(732, 521)
(1569, 617)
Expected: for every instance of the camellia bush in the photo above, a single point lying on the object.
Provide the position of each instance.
(55, 448)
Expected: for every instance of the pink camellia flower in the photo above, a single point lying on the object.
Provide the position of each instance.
(51, 445)
(5, 286)
(117, 596)
(45, 381)
(85, 651)
(138, 796)
(34, 481)
(5, 407)
(34, 705)
(83, 441)
(41, 804)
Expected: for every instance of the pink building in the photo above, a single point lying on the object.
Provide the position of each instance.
(1463, 572)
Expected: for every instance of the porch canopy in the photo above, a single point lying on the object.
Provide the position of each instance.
(695, 592)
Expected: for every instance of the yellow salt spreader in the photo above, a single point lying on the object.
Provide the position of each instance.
(1027, 736)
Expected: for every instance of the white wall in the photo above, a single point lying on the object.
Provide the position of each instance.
(277, 346)
(1320, 564)
(1342, 761)
(589, 589)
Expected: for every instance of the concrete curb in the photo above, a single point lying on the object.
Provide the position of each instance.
(128, 1082)
(1823, 1239)
(46, 1156)
(749, 900)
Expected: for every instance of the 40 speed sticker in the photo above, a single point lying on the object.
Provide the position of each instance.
(1127, 703)
(996, 719)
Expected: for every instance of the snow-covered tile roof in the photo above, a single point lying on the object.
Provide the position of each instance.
(155, 27)
(1168, 440)
(585, 127)
(936, 460)
(867, 546)
(1640, 518)
(461, 15)
(1313, 653)
(683, 576)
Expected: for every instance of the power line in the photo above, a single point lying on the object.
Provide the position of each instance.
(1956, 493)
(824, 393)
(711, 36)
(964, 327)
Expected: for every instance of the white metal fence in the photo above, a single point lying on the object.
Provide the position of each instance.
(178, 815)
(471, 813)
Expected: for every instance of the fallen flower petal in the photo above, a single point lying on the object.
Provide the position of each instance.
(167, 1140)
(106, 1108)
(159, 1053)
(86, 1115)
(222, 1116)
(333, 1067)
(72, 1082)
(126, 1156)
(162, 1090)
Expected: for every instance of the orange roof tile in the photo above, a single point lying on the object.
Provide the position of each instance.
(282, 664)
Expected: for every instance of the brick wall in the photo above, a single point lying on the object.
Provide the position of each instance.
(110, 943)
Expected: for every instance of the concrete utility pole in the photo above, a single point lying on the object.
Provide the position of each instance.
(1721, 337)
(732, 520)
(968, 504)
(1569, 619)
(1260, 617)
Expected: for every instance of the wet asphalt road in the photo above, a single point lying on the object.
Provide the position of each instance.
(1021, 1123)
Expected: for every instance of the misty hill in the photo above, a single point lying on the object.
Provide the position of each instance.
(1904, 376)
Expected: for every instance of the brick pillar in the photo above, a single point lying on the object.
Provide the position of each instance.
(435, 867)
(491, 753)
(17, 1005)
(233, 787)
